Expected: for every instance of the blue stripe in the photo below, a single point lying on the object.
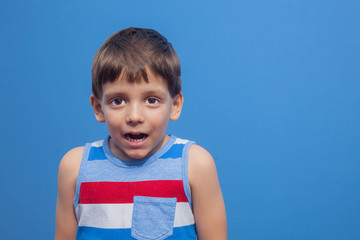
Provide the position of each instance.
(91, 233)
(96, 153)
(186, 232)
(174, 152)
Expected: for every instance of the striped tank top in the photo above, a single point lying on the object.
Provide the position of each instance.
(145, 199)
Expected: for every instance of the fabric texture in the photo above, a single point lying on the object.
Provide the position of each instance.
(145, 199)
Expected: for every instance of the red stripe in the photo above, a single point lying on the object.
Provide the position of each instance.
(123, 192)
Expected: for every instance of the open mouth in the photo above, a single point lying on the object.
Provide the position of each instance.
(136, 137)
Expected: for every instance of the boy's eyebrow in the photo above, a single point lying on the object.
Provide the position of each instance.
(114, 93)
(152, 92)
(111, 94)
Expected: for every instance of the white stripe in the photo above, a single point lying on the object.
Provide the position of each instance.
(120, 215)
(105, 215)
(99, 143)
(180, 141)
(183, 215)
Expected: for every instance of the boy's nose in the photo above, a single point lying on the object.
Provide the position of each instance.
(134, 115)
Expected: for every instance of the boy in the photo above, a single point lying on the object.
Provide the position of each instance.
(138, 183)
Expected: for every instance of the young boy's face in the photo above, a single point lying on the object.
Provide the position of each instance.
(136, 115)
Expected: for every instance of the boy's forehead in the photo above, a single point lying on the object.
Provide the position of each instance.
(123, 83)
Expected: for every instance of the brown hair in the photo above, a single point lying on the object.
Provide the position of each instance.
(131, 52)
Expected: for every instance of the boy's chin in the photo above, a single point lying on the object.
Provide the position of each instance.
(135, 156)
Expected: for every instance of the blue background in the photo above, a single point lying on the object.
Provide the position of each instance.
(271, 90)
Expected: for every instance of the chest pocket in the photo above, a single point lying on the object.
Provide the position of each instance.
(153, 218)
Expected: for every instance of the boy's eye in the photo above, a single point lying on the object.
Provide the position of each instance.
(117, 101)
(152, 100)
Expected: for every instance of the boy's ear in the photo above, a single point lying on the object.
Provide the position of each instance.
(96, 105)
(176, 107)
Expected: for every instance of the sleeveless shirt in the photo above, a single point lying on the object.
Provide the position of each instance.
(144, 199)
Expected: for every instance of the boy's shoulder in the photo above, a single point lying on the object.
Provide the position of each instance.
(199, 157)
(73, 155)
(71, 161)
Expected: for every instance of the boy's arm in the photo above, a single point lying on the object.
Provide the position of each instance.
(208, 203)
(66, 223)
